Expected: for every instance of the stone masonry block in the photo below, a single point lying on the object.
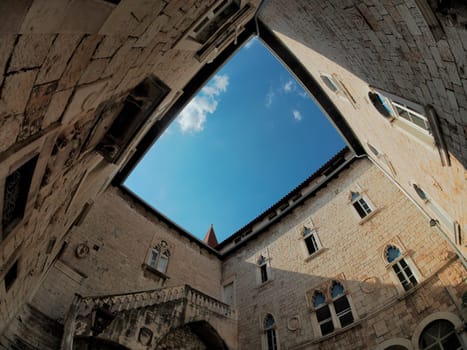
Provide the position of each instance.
(45, 16)
(30, 51)
(79, 61)
(56, 107)
(12, 13)
(57, 59)
(94, 70)
(6, 46)
(9, 129)
(15, 93)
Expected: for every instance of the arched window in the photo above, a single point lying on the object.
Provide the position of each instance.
(270, 329)
(159, 257)
(341, 304)
(396, 347)
(323, 313)
(334, 313)
(401, 267)
(439, 335)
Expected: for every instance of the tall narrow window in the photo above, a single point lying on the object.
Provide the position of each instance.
(341, 304)
(323, 313)
(229, 293)
(159, 257)
(311, 240)
(263, 268)
(440, 335)
(269, 327)
(401, 268)
(360, 204)
(15, 195)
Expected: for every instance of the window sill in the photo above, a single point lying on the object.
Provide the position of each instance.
(369, 216)
(264, 284)
(315, 254)
(155, 272)
(336, 332)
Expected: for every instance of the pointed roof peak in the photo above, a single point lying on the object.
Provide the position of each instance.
(210, 239)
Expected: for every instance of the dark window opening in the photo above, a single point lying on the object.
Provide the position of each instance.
(51, 245)
(209, 26)
(323, 315)
(311, 244)
(264, 273)
(137, 108)
(15, 196)
(11, 276)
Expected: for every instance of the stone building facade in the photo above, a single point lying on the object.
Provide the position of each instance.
(389, 74)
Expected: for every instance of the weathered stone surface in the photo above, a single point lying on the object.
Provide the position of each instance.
(12, 13)
(86, 16)
(6, 46)
(45, 16)
(58, 57)
(30, 51)
(79, 61)
(9, 129)
(94, 70)
(57, 106)
(15, 92)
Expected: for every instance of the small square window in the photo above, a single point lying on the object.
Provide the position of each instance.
(11, 276)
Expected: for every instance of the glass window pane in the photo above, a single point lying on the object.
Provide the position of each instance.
(392, 253)
(346, 319)
(359, 209)
(336, 290)
(153, 258)
(310, 244)
(341, 304)
(323, 313)
(318, 299)
(163, 262)
(264, 273)
(327, 328)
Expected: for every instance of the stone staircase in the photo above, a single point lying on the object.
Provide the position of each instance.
(148, 319)
(32, 330)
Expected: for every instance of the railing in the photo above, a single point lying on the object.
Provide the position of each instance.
(83, 306)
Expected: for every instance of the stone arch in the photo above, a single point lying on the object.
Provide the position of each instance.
(402, 342)
(197, 335)
(442, 315)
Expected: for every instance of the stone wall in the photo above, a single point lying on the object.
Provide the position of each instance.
(118, 235)
(65, 69)
(352, 252)
(389, 46)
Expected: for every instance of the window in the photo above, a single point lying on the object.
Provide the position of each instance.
(11, 275)
(341, 304)
(336, 86)
(408, 112)
(15, 195)
(396, 347)
(214, 20)
(159, 257)
(333, 312)
(360, 204)
(439, 335)
(401, 267)
(310, 237)
(323, 313)
(137, 107)
(269, 327)
(263, 269)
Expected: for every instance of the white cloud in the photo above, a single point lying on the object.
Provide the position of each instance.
(194, 115)
(297, 115)
(289, 86)
(303, 94)
(269, 98)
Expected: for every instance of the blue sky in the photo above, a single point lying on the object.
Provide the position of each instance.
(248, 138)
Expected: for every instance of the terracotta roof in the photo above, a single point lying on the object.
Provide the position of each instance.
(210, 239)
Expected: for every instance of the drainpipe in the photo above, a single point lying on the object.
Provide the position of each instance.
(433, 222)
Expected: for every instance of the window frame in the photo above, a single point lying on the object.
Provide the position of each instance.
(263, 267)
(161, 249)
(310, 233)
(330, 304)
(340, 89)
(361, 196)
(403, 257)
(270, 330)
